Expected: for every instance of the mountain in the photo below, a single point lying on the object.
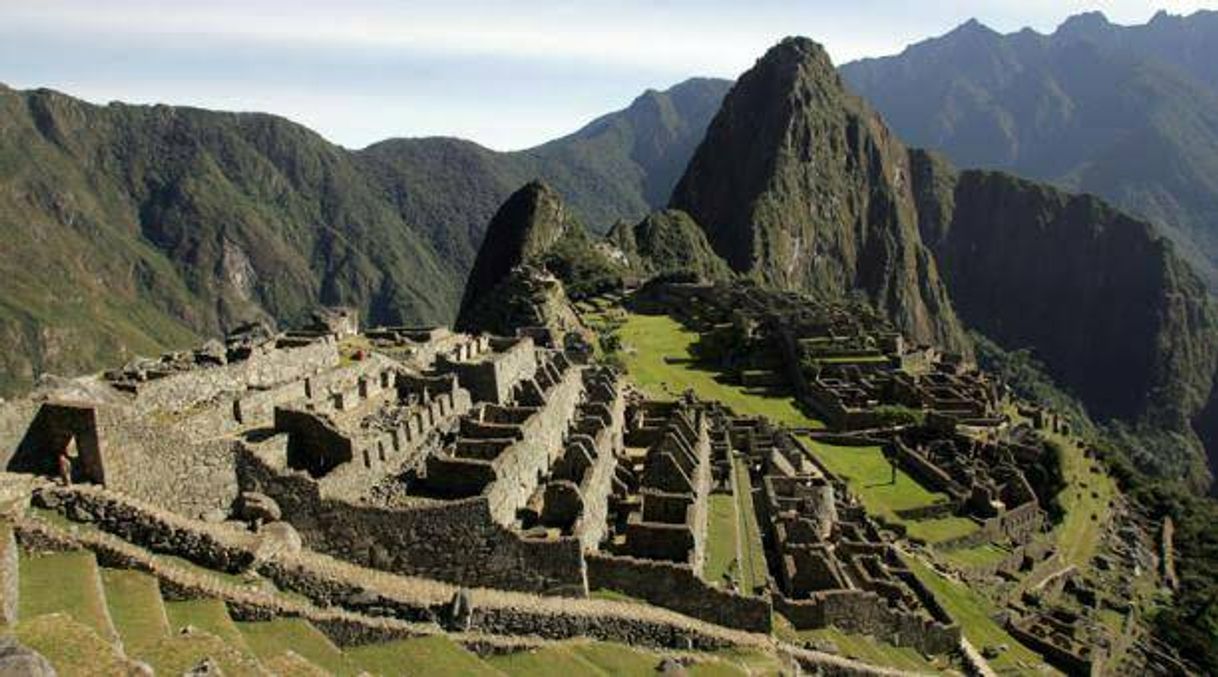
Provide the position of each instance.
(134, 229)
(665, 242)
(1119, 319)
(528, 224)
(619, 166)
(534, 255)
(1126, 113)
(800, 185)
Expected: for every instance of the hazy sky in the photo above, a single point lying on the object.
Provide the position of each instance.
(506, 74)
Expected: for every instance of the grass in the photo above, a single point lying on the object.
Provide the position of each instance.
(869, 474)
(721, 521)
(983, 555)
(177, 654)
(616, 659)
(209, 615)
(753, 569)
(269, 639)
(65, 582)
(134, 600)
(975, 613)
(435, 655)
(73, 648)
(870, 650)
(1086, 494)
(656, 351)
(553, 661)
(613, 596)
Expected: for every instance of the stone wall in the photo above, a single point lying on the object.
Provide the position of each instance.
(491, 377)
(15, 420)
(159, 464)
(181, 391)
(10, 580)
(865, 612)
(678, 587)
(519, 466)
(455, 541)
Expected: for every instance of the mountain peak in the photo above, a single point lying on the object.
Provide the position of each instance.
(797, 50)
(525, 227)
(972, 29)
(1085, 25)
(798, 184)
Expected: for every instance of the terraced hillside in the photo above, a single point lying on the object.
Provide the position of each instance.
(88, 619)
(665, 357)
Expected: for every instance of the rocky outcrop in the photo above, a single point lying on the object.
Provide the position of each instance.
(667, 242)
(800, 185)
(510, 286)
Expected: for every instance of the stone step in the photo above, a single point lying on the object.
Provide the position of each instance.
(292, 664)
(73, 648)
(188, 648)
(65, 582)
(552, 660)
(271, 639)
(441, 656)
(208, 615)
(136, 609)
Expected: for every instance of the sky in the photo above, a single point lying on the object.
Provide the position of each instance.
(506, 74)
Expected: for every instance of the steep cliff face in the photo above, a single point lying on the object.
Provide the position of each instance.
(511, 284)
(1129, 113)
(1101, 298)
(800, 185)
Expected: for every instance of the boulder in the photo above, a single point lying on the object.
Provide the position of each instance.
(253, 506)
(18, 660)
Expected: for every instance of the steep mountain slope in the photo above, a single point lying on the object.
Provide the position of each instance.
(799, 184)
(667, 241)
(619, 166)
(132, 228)
(1127, 113)
(512, 284)
(1117, 317)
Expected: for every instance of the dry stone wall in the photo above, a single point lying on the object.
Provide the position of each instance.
(678, 587)
(455, 541)
(181, 391)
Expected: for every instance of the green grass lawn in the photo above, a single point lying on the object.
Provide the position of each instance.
(209, 615)
(647, 340)
(134, 600)
(73, 648)
(553, 661)
(1078, 535)
(436, 655)
(982, 555)
(721, 521)
(66, 582)
(974, 613)
(869, 475)
(753, 570)
(617, 659)
(272, 638)
(870, 650)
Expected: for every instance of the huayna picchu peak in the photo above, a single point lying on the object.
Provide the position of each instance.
(731, 381)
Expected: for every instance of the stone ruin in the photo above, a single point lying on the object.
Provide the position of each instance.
(483, 462)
